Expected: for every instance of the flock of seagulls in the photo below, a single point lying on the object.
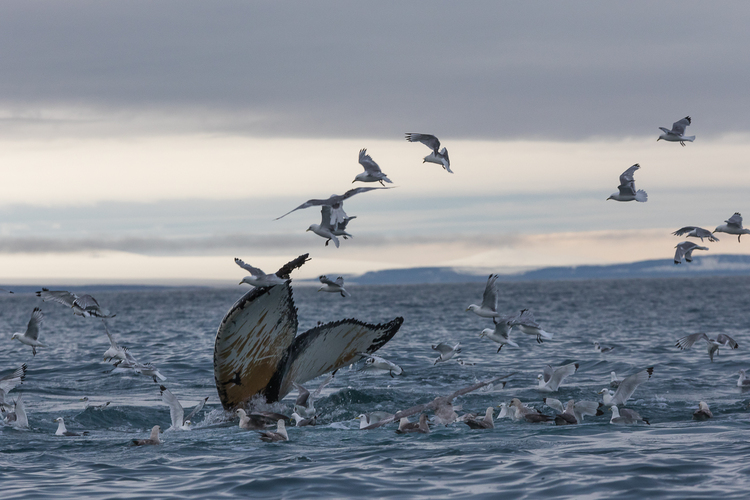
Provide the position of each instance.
(333, 225)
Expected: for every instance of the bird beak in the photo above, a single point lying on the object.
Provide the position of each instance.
(306, 230)
(657, 140)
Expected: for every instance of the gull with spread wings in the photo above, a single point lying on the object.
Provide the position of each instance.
(677, 134)
(336, 202)
(372, 171)
(84, 305)
(626, 188)
(439, 156)
(258, 277)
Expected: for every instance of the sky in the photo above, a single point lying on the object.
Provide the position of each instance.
(146, 142)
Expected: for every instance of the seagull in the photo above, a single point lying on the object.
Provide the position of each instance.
(11, 381)
(84, 305)
(404, 426)
(702, 413)
(304, 405)
(372, 171)
(506, 411)
(551, 378)
(380, 363)
(712, 345)
(176, 413)
(446, 351)
(526, 324)
(501, 332)
(17, 416)
(626, 388)
(340, 228)
(528, 414)
(696, 232)
(743, 382)
(62, 431)
(31, 335)
(148, 370)
(488, 309)
(85, 400)
(333, 286)
(614, 380)
(573, 412)
(255, 421)
(154, 439)
(685, 250)
(733, 226)
(257, 277)
(677, 134)
(336, 202)
(440, 157)
(303, 422)
(602, 349)
(115, 350)
(626, 188)
(485, 423)
(373, 417)
(279, 435)
(625, 416)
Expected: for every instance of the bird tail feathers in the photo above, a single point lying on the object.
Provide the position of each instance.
(641, 196)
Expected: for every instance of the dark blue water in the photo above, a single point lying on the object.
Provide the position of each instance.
(674, 457)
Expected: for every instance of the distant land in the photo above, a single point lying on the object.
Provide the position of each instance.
(715, 265)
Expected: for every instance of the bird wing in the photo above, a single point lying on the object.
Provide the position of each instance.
(727, 341)
(9, 382)
(32, 330)
(358, 190)
(526, 318)
(679, 126)
(328, 219)
(367, 162)
(86, 302)
(197, 408)
(304, 394)
(320, 388)
(340, 281)
(560, 373)
(679, 253)
(175, 408)
(59, 296)
(735, 220)
(442, 348)
(341, 226)
(627, 182)
(689, 253)
(112, 341)
(310, 203)
(489, 299)
(685, 230)
(688, 341)
(428, 140)
(247, 267)
(585, 408)
(628, 386)
(326, 281)
(555, 404)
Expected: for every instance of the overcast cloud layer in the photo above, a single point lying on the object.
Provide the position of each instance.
(480, 69)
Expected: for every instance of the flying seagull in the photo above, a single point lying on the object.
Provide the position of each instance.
(626, 388)
(733, 226)
(31, 335)
(696, 232)
(501, 332)
(333, 286)
(179, 421)
(488, 309)
(626, 188)
(551, 378)
(17, 416)
(336, 202)
(257, 277)
(712, 345)
(677, 134)
(439, 156)
(374, 362)
(83, 305)
(446, 351)
(525, 323)
(304, 405)
(685, 250)
(372, 171)
(11, 381)
(115, 350)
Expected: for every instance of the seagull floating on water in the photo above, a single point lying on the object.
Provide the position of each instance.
(712, 345)
(372, 171)
(696, 232)
(279, 435)
(485, 423)
(85, 400)
(626, 188)
(404, 426)
(84, 305)
(257, 277)
(439, 156)
(733, 226)
(625, 416)
(333, 286)
(601, 348)
(551, 378)
(703, 412)
(304, 405)
(529, 414)
(685, 250)
(677, 134)
(152, 440)
(373, 417)
(31, 335)
(743, 381)
(63, 431)
(573, 412)
(614, 380)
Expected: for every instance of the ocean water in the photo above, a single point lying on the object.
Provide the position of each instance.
(674, 457)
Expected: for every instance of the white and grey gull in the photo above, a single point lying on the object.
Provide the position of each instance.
(439, 156)
(712, 345)
(372, 171)
(677, 133)
(31, 336)
(626, 189)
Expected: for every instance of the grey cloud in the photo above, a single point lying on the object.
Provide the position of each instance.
(566, 70)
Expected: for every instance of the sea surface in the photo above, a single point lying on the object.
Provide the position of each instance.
(674, 457)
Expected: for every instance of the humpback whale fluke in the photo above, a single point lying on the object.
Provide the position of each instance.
(257, 343)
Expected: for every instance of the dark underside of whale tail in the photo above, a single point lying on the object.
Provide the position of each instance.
(258, 352)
